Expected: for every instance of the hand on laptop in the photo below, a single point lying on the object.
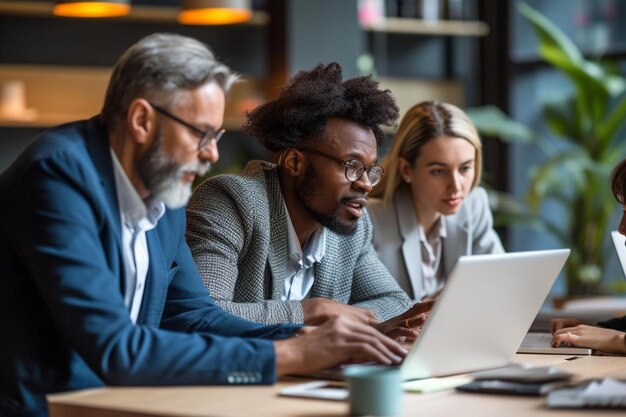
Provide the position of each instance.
(598, 338)
(558, 324)
(432, 297)
(405, 330)
(318, 310)
(408, 324)
(339, 340)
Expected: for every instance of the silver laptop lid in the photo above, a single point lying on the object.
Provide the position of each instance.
(619, 241)
(483, 312)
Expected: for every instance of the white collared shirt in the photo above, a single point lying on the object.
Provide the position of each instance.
(300, 271)
(137, 217)
(431, 246)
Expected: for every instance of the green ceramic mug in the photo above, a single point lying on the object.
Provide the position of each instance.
(375, 390)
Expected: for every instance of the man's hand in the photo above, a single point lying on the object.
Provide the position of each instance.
(339, 340)
(418, 308)
(319, 310)
(598, 338)
(407, 324)
(403, 330)
(558, 324)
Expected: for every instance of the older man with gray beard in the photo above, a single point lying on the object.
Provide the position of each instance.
(98, 284)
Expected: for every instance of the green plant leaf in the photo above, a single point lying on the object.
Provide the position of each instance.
(559, 115)
(552, 40)
(593, 82)
(556, 48)
(492, 121)
(556, 175)
(578, 161)
(614, 121)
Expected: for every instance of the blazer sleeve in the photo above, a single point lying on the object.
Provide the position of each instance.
(58, 221)
(222, 233)
(373, 286)
(190, 308)
(485, 240)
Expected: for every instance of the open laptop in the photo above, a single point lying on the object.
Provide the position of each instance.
(483, 313)
(541, 342)
(619, 241)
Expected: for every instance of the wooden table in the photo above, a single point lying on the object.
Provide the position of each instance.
(264, 400)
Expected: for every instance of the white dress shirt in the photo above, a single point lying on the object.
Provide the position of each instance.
(431, 246)
(300, 271)
(137, 217)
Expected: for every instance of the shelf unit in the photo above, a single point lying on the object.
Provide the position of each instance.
(427, 27)
(418, 58)
(408, 92)
(79, 92)
(59, 93)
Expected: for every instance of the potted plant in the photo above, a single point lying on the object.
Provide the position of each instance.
(578, 158)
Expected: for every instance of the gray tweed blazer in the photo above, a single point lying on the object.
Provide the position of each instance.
(237, 232)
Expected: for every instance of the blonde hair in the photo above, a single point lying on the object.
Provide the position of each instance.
(424, 122)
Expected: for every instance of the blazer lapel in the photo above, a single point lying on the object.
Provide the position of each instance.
(409, 230)
(326, 271)
(458, 240)
(100, 151)
(97, 143)
(156, 282)
(277, 219)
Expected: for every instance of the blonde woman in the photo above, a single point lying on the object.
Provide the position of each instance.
(429, 210)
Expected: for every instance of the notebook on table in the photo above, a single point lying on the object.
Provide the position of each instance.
(482, 314)
(605, 393)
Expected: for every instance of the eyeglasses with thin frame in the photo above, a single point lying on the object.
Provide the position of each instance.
(354, 167)
(206, 136)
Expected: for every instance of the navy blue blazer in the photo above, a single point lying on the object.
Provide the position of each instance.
(63, 322)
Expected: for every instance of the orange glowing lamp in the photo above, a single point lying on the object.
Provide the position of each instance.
(214, 12)
(92, 9)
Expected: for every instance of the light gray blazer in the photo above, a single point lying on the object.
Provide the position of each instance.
(397, 241)
(237, 232)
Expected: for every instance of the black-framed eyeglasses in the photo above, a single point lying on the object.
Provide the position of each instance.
(206, 136)
(354, 167)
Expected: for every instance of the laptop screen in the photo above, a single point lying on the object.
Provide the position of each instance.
(619, 241)
(483, 312)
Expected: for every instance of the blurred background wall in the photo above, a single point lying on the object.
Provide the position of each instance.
(467, 52)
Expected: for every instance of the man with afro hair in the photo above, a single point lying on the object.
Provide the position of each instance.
(291, 243)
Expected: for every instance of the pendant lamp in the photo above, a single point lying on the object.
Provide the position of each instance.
(78, 8)
(214, 12)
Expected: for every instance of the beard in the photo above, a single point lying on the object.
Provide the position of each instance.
(162, 175)
(308, 191)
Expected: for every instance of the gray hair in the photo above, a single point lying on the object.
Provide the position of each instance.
(157, 67)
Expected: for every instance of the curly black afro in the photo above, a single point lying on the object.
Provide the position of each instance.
(299, 115)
